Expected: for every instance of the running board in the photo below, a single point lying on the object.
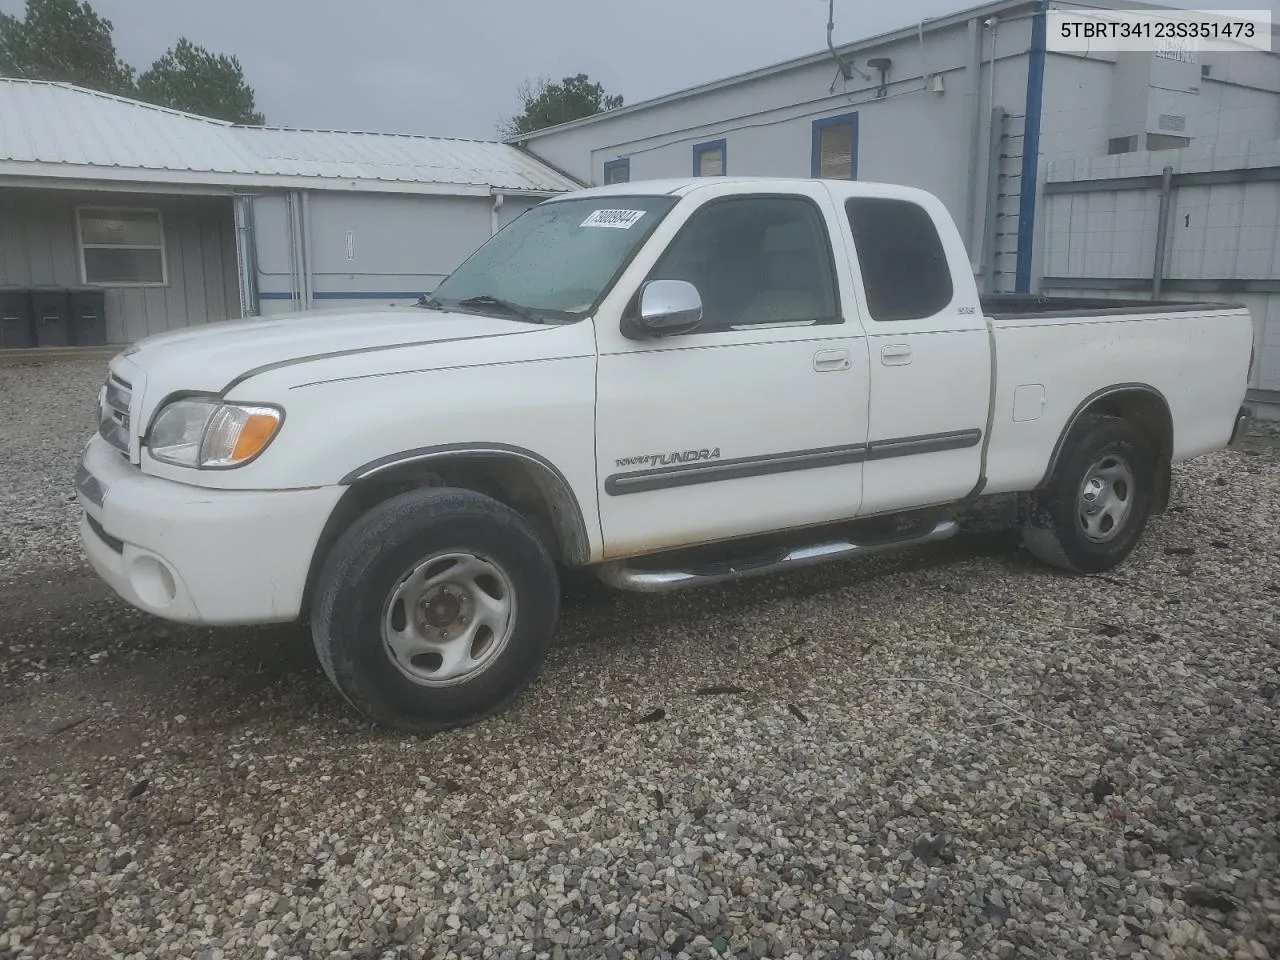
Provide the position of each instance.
(617, 574)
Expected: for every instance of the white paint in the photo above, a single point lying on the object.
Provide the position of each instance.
(582, 396)
(1028, 402)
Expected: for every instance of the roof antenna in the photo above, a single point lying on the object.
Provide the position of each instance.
(847, 69)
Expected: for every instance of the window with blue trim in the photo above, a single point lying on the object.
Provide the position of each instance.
(617, 171)
(835, 147)
(710, 159)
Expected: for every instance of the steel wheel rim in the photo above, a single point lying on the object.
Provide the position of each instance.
(448, 618)
(1106, 498)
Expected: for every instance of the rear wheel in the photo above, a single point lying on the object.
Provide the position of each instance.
(435, 609)
(1095, 507)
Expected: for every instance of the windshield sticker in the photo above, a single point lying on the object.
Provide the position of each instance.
(618, 219)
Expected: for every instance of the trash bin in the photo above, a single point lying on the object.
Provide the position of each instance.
(51, 311)
(15, 319)
(88, 318)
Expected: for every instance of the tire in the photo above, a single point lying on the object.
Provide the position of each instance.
(1095, 507)
(409, 572)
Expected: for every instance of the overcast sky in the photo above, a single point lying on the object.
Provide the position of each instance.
(452, 67)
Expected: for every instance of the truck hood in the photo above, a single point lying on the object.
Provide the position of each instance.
(211, 358)
(215, 358)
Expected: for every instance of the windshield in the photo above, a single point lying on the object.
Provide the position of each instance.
(556, 259)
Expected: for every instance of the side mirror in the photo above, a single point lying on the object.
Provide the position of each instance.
(667, 307)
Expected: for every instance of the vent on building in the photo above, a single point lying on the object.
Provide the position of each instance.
(1172, 121)
(1122, 145)
(1205, 69)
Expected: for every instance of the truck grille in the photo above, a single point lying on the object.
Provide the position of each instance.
(114, 422)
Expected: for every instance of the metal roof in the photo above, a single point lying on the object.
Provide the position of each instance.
(56, 130)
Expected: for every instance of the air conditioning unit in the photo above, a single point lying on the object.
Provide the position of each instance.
(1156, 97)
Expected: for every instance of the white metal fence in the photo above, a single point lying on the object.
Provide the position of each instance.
(1220, 240)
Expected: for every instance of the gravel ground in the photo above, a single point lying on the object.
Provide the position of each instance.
(951, 752)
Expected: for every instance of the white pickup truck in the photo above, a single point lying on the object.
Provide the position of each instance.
(672, 383)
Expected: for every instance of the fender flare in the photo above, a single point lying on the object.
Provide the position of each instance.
(567, 511)
(1089, 401)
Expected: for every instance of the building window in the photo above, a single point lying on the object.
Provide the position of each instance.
(121, 246)
(835, 147)
(1117, 145)
(904, 268)
(710, 159)
(755, 260)
(617, 171)
(1165, 141)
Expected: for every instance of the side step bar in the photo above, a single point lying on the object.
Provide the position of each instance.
(623, 577)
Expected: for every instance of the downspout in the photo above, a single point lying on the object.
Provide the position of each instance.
(498, 200)
(1162, 232)
(308, 284)
(296, 294)
(975, 131)
(246, 256)
(1031, 149)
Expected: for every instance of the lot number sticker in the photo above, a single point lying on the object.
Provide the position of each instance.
(619, 219)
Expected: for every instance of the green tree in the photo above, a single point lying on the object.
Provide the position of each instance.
(63, 40)
(545, 104)
(190, 78)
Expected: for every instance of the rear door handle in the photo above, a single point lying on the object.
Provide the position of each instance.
(895, 355)
(824, 361)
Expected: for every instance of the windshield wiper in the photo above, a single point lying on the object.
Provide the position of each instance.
(485, 300)
(430, 302)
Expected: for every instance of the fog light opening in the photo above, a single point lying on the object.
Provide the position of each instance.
(153, 581)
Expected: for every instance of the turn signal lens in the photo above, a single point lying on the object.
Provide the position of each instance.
(236, 434)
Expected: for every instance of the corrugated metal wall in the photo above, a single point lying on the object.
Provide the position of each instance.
(38, 247)
(1101, 223)
(371, 248)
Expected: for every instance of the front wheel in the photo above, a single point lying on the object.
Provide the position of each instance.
(435, 609)
(1093, 511)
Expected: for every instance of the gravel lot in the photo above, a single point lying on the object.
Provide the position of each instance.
(947, 753)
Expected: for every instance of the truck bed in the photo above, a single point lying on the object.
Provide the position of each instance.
(1013, 306)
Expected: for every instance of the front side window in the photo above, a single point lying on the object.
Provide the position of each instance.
(121, 246)
(835, 147)
(904, 267)
(755, 260)
(711, 159)
(558, 258)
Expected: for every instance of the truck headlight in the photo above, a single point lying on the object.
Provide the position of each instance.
(204, 432)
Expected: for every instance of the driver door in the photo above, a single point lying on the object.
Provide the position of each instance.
(757, 419)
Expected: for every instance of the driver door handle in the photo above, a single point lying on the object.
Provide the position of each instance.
(826, 361)
(895, 355)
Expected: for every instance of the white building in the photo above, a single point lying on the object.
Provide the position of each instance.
(922, 106)
(168, 219)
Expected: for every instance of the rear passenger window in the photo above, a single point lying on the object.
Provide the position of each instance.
(904, 268)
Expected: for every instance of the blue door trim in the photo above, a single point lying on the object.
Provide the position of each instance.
(815, 161)
(1031, 151)
(700, 148)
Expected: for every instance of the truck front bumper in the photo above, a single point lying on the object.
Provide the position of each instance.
(195, 554)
